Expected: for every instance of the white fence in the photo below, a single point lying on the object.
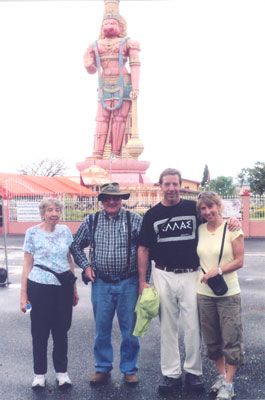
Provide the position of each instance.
(24, 206)
(257, 208)
(25, 209)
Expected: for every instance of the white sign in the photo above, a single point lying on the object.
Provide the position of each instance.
(232, 208)
(28, 211)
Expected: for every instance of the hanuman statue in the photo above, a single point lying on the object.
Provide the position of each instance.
(117, 87)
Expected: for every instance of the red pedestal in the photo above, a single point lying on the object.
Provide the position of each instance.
(120, 170)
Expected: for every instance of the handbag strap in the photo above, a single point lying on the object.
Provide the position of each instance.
(222, 248)
(47, 269)
(222, 245)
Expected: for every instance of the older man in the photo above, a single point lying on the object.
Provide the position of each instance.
(112, 235)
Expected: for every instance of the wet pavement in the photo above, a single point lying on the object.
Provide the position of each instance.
(16, 351)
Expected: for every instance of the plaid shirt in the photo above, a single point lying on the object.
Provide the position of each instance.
(111, 243)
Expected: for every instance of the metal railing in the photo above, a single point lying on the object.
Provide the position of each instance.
(24, 208)
(257, 208)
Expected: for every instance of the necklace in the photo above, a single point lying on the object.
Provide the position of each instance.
(109, 43)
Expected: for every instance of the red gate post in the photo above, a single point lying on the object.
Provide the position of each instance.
(245, 218)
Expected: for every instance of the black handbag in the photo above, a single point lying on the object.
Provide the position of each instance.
(217, 283)
(66, 278)
(3, 275)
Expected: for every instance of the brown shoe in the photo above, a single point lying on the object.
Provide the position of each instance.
(131, 379)
(99, 377)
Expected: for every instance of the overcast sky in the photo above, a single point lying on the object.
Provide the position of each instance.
(202, 88)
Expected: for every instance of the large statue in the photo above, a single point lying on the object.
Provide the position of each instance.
(117, 87)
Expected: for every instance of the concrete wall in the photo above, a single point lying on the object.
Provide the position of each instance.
(21, 227)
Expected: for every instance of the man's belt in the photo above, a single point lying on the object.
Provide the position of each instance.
(114, 279)
(176, 270)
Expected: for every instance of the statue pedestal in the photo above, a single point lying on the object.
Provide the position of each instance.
(120, 170)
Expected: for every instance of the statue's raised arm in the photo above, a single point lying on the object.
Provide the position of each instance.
(90, 61)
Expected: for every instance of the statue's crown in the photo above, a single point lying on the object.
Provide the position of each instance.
(111, 10)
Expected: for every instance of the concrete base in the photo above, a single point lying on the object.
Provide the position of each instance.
(121, 170)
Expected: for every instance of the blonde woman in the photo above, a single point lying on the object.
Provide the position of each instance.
(220, 316)
(47, 246)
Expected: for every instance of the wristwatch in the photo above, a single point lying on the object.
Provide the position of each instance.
(220, 272)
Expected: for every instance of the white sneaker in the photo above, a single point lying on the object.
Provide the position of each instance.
(38, 381)
(226, 391)
(63, 379)
(217, 383)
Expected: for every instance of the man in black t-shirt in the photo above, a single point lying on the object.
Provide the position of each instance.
(169, 237)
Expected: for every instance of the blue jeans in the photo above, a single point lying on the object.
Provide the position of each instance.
(106, 299)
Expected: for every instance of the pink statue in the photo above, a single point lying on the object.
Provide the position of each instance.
(117, 87)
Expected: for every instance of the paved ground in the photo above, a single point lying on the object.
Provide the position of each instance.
(16, 352)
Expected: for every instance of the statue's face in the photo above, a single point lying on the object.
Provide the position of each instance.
(110, 28)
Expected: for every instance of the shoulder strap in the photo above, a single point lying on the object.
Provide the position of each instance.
(129, 237)
(44, 268)
(93, 222)
(90, 226)
(222, 245)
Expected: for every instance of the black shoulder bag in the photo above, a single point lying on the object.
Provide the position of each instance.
(217, 283)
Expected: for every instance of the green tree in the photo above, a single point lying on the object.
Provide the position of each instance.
(206, 177)
(255, 177)
(223, 185)
(243, 177)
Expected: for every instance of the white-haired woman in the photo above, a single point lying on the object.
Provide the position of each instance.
(46, 253)
(220, 316)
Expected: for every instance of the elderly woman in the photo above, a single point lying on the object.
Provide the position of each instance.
(220, 316)
(46, 257)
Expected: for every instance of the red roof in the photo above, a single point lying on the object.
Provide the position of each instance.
(18, 185)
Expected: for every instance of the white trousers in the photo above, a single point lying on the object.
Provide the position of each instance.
(178, 298)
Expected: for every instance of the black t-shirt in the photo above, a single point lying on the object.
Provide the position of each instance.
(171, 234)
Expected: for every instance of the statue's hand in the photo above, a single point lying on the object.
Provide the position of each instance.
(134, 94)
(88, 59)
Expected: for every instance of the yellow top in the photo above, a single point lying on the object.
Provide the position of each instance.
(208, 250)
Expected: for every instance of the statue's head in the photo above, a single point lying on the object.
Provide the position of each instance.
(113, 25)
(111, 28)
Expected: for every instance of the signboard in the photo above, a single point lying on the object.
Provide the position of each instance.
(232, 208)
(28, 211)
